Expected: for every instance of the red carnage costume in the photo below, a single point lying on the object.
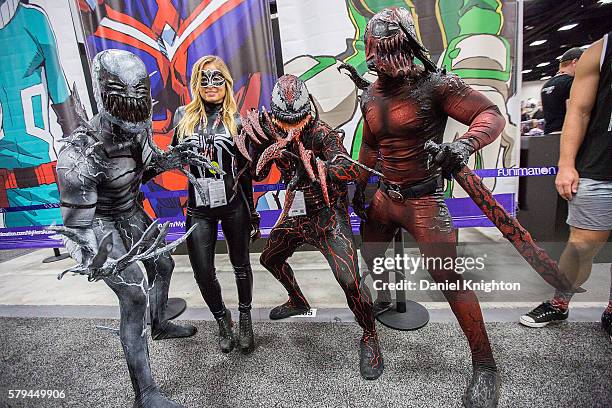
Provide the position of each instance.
(313, 161)
(408, 105)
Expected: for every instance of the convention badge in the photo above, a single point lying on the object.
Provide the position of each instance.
(217, 194)
(202, 201)
(299, 205)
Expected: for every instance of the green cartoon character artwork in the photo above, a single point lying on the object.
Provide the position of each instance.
(467, 37)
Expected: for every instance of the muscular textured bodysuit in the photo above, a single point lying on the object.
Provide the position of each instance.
(100, 170)
(407, 106)
(315, 148)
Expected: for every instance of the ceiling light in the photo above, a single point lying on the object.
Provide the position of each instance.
(559, 57)
(528, 27)
(544, 78)
(584, 47)
(604, 2)
(526, 71)
(538, 42)
(542, 64)
(567, 27)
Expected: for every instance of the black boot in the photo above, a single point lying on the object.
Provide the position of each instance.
(483, 390)
(226, 335)
(371, 363)
(247, 339)
(161, 327)
(290, 308)
(170, 330)
(154, 399)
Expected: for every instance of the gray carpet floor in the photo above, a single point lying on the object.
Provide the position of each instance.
(9, 254)
(306, 365)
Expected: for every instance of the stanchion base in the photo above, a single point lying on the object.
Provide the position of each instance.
(175, 308)
(415, 317)
(54, 258)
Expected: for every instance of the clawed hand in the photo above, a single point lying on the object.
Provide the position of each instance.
(100, 266)
(185, 153)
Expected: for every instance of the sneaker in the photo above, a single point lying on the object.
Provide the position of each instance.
(606, 323)
(542, 315)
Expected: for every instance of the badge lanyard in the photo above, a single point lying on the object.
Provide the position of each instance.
(216, 187)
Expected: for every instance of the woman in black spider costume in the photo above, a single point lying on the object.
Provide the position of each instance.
(310, 155)
(210, 122)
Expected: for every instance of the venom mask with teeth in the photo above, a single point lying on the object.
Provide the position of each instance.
(392, 45)
(290, 103)
(122, 89)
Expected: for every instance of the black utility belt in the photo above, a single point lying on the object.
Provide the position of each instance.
(400, 194)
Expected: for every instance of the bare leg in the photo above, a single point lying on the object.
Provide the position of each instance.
(577, 260)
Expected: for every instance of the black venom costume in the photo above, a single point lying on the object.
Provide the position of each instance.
(314, 162)
(100, 168)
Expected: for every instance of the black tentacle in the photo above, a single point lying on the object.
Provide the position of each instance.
(359, 81)
(316, 118)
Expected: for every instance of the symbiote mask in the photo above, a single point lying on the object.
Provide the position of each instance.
(122, 89)
(290, 100)
(392, 45)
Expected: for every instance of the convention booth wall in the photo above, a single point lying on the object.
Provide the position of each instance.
(47, 46)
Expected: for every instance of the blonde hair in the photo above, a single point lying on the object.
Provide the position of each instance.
(195, 112)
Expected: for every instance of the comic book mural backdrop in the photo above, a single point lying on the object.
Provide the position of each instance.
(170, 36)
(41, 78)
(43, 81)
(41, 69)
(475, 39)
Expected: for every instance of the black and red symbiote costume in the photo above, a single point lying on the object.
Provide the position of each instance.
(313, 161)
(407, 106)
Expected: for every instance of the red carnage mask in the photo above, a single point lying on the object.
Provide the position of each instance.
(392, 45)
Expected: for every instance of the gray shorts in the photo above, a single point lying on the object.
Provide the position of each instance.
(591, 207)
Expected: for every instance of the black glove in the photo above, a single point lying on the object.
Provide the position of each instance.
(359, 202)
(453, 156)
(255, 220)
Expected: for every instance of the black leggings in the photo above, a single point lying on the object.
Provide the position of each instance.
(235, 223)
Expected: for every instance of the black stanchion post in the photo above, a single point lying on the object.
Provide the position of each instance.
(400, 295)
(407, 315)
(57, 256)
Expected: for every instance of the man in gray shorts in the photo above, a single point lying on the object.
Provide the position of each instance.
(584, 179)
